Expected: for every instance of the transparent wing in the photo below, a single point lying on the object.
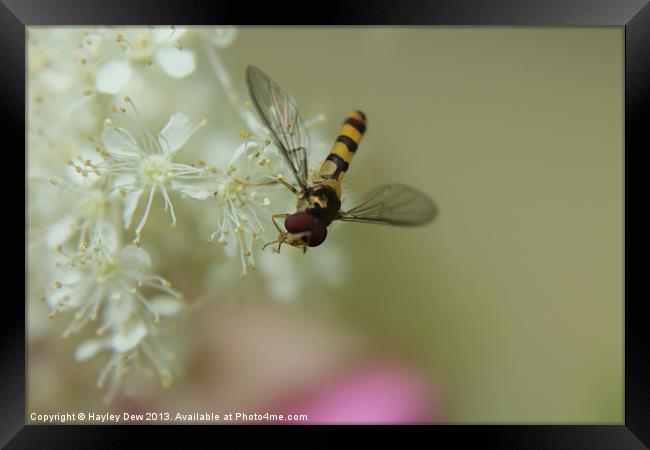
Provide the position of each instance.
(280, 115)
(393, 204)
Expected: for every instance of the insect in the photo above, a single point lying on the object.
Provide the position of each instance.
(318, 199)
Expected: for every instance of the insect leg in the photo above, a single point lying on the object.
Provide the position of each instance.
(279, 179)
(280, 240)
(287, 184)
(278, 216)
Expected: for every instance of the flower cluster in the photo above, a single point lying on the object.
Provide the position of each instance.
(241, 203)
(105, 284)
(107, 173)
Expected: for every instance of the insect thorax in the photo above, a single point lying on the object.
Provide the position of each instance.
(321, 202)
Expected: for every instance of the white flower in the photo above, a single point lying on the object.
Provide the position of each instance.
(75, 208)
(105, 280)
(125, 356)
(117, 166)
(132, 347)
(113, 75)
(240, 199)
(116, 52)
(146, 164)
(105, 285)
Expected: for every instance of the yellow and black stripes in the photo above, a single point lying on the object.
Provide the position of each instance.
(339, 159)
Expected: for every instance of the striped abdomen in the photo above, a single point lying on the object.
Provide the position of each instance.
(339, 159)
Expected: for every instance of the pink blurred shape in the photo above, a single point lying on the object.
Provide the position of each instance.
(376, 393)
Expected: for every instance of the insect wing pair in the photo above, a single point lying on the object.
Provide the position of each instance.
(392, 204)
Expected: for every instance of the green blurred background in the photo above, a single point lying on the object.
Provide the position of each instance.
(514, 297)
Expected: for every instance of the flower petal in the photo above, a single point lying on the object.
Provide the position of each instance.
(163, 34)
(134, 258)
(175, 62)
(58, 81)
(119, 141)
(70, 275)
(119, 309)
(129, 203)
(126, 181)
(67, 298)
(54, 299)
(240, 154)
(195, 192)
(223, 36)
(230, 248)
(107, 234)
(113, 76)
(88, 349)
(60, 231)
(254, 123)
(166, 306)
(177, 131)
(129, 338)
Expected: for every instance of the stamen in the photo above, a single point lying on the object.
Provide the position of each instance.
(168, 202)
(138, 229)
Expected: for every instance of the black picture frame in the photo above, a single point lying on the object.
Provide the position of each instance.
(634, 15)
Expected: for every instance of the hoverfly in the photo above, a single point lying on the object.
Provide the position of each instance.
(319, 198)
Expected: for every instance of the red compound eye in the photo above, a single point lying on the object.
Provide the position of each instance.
(318, 234)
(299, 222)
